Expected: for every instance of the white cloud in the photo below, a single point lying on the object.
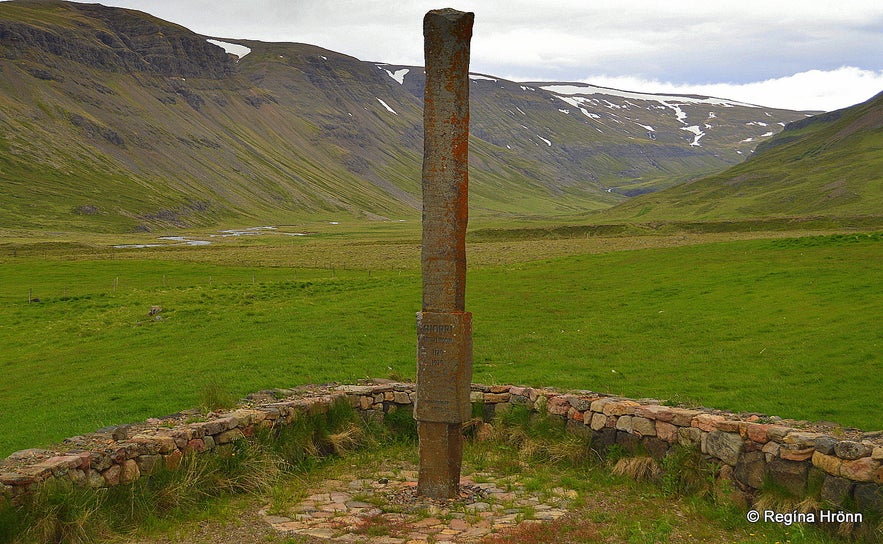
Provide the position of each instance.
(793, 48)
(810, 90)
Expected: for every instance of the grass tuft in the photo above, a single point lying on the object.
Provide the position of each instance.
(640, 469)
(214, 396)
(686, 472)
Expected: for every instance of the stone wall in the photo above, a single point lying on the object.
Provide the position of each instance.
(844, 466)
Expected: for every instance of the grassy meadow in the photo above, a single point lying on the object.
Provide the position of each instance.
(779, 325)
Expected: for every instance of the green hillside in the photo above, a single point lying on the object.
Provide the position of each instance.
(112, 120)
(827, 165)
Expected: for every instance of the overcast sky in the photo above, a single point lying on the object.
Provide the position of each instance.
(801, 54)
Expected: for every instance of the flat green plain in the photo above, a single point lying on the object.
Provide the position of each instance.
(786, 326)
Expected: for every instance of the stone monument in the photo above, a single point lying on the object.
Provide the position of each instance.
(444, 327)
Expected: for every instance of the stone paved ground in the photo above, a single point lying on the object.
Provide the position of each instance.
(385, 509)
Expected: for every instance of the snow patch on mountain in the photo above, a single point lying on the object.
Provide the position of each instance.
(398, 75)
(385, 105)
(577, 102)
(574, 89)
(697, 134)
(232, 48)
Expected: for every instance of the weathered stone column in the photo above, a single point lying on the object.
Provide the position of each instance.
(444, 328)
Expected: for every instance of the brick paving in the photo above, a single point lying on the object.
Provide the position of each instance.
(384, 509)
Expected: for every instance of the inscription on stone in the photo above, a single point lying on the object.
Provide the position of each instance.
(444, 366)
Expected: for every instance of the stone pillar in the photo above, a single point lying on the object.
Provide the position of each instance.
(444, 328)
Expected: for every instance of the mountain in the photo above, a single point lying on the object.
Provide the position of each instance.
(826, 165)
(114, 120)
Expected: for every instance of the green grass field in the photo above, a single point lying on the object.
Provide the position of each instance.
(787, 326)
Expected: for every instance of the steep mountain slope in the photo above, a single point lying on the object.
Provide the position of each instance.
(829, 165)
(114, 120)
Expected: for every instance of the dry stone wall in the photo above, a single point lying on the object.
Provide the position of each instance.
(844, 467)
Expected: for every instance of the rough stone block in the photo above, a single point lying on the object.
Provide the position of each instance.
(603, 439)
(100, 461)
(643, 426)
(828, 463)
(790, 475)
(599, 421)
(835, 490)
(620, 407)
(868, 497)
(757, 432)
(750, 469)
(654, 411)
(575, 415)
(129, 472)
(794, 453)
(656, 447)
(706, 422)
(112, 475)
(94, 479)
(77, 476)
(223, 424)
(849, 449)
(356, 389)
(771, 449)
(629, 442)
(60, 465)
(577, 428)
(725, 446)
(801, 439)
(227, 437)
(580, 403)
(496, 398)
(778, 433)
(173, 460)
(860, 470)
(825, 444)
(197, 445)
(181, 436)
(624, 423)
(730, 426)
(148, 464)
(598, 405)
(667, 432)
(683, 417)
(558, 406)
(689, 436)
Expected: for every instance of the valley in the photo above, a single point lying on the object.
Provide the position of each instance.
(115, 121)
(264, 204)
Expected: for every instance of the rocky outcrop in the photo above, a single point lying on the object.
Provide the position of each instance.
(117, 40)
